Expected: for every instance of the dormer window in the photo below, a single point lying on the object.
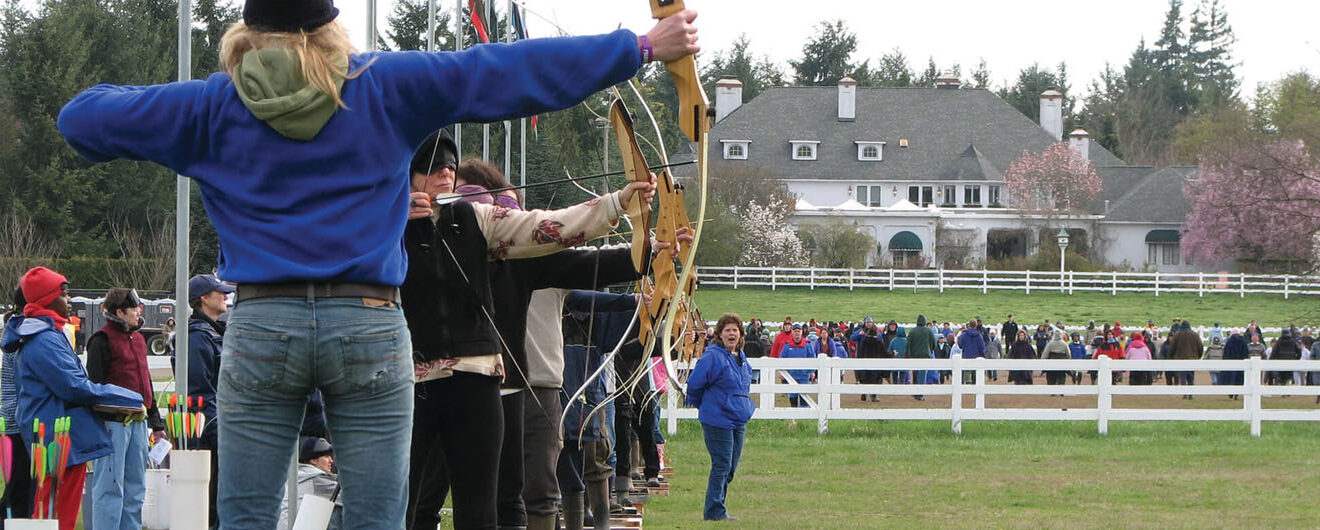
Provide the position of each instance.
(870, 151)
(736, 149)
(804, 149)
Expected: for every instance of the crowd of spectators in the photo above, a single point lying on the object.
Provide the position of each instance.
(866, 339)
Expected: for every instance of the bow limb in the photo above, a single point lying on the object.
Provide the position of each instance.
(635, 169)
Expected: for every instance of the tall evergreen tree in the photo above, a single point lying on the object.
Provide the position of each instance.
(738, 62)
(981, 75)
(827, 58)
(929, 75)
(1209, 56)
(894, 70)
(1032, 81)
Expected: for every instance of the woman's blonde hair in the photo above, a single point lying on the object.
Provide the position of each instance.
(316, 51)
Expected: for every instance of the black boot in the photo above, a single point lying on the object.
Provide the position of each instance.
(598, 495)
(572, 501)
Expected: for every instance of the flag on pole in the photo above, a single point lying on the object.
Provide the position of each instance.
(475, 9)
(520, 33)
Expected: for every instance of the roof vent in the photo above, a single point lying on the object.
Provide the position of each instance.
(902, 142)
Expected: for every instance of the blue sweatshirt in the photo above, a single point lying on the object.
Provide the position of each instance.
(334, 208)
(52, 384)
(719, 387)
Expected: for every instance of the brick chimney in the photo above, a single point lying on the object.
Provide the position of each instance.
(1051, 113)
(948, 81)
(728, 97)
(847, 99)
(1081, 141)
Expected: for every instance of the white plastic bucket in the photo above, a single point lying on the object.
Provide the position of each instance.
(156, 504)
(32, 524)
(313, 513)
(190, 477)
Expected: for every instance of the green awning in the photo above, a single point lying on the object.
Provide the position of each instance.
(1163, 236)
(905, 241)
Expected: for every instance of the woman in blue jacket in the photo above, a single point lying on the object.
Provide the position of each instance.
(301, 150)
(719, 387)
(53, 384)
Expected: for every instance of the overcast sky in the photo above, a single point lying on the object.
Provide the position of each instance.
(1275, 37)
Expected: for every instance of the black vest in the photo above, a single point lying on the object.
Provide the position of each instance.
(446, 295)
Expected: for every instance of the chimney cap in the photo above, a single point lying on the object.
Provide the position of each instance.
(1051, 94)
(728, 81)
(1078, 133)
(847, 81)
(948, 80)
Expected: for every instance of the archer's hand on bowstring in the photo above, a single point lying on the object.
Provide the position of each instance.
(674, 37)
(419, 205)
(684, 236)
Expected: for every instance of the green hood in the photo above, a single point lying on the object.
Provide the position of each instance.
(271, 85)
(921, 320)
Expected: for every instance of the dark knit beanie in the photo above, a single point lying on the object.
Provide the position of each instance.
(436, 151)
(288, 15)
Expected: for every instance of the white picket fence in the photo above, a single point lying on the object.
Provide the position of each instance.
(1201, 283)
(825, 395)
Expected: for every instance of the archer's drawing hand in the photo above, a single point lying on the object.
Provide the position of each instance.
(419, 205)
(674, 37)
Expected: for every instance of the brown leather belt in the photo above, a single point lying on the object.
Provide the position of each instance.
(249, 291)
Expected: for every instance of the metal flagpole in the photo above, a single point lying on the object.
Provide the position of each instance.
(485, 127)
(508, 125)
(182, 194)
(458, 47)
(371, 25)
(430, 25)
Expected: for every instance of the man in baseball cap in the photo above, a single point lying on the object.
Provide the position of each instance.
(208, 300)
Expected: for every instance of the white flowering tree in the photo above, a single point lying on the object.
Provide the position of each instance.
(768, 239)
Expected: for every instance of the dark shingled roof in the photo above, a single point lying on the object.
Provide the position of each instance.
(1117, 180)
(941, 126)
(1156, 198)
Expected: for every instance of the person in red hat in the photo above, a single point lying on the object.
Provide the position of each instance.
(53, 384)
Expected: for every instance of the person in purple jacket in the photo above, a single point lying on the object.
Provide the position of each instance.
(720, 387)
(301, 148)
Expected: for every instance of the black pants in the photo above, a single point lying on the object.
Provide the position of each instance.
(639, 418)
(458, 424)
(541, 445)
(1056, 377)
(19, 490)
(509, 500)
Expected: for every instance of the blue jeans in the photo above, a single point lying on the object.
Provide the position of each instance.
(119, 481)
(276, 350)
(725, 448)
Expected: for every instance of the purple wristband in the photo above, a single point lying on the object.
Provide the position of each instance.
(648, 53)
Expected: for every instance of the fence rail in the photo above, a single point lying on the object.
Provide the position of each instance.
(1201, 283)
(825, 403)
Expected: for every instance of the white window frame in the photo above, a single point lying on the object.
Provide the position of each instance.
(799, 144)
(949, 195)
(920, 188)
(1164, 253)
(969, 189)
(730, 145)
(862, 146)
(992, 195)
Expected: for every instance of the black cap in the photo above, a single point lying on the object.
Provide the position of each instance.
(436, 151)
(288, 15)
(312, 448)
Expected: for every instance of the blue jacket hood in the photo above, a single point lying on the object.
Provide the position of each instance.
(19, 327)
(902, 332)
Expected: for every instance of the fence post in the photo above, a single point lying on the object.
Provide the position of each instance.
(823, 399)
(955, 383)
(985, 281)
(1285, 287)
(1104, 400)
(811, 278)
(891, 279)
(1252, 391)
(1157, 283)
(1072, 277)
(1114, 292)
(1242, 285)
(735, 276)
(1028, 282)
(836, 378)
(851, 274)
(767, 398)
(941, 279)
(1200, 284)
(980, 382)
(671, 403)
(773, 273)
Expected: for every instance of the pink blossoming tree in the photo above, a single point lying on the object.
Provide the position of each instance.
(1059, 179)
(1258, 202)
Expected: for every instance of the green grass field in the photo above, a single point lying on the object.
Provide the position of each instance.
(917, 474)
(961, 306)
